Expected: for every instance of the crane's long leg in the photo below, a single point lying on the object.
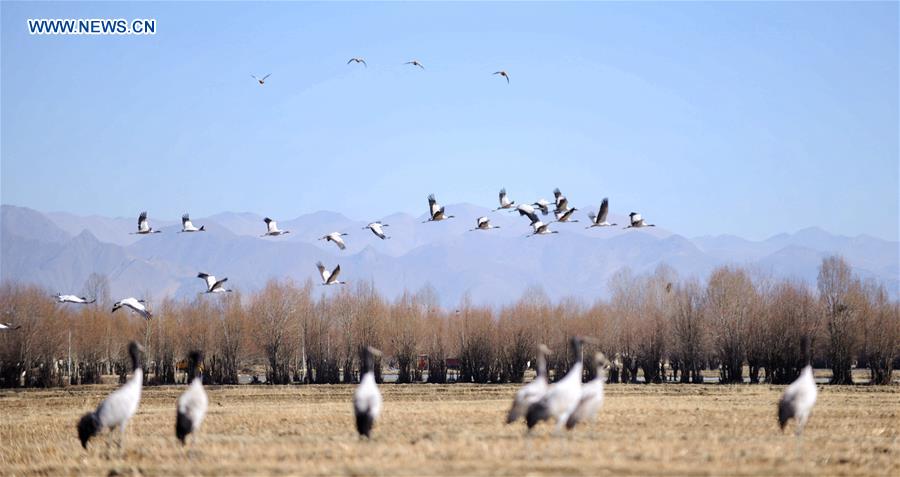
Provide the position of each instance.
(122, 439)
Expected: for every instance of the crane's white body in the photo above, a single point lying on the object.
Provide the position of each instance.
(272, 228)
(79, 300)
(336, 238)
(329, 277)
(562, 397)
(188, 226)
(135, 305)
(377, 228)
(505, 203)
(193, 404)
(213, 285)
(599, 219)
(798, 399)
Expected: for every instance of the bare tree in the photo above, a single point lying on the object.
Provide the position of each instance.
(840, 293)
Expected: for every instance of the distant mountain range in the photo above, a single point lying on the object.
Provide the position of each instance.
(60, 250)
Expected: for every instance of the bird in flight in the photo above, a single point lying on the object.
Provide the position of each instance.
(436, 210)
(144, 225)
(329, 278)
(357, 59)
(637, 221)
(272, 228)
(540, 228)
(213, 285)
(505, 203)
(60, 298)
(599, 220)
(262, 80)
(336, 238)
(137, 306)
(9, 327)
(376, 228)
(504, 74)
(483, 223)
(188, 226)
(566, 216)
(414, 63)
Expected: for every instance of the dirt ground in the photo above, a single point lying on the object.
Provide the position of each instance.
(458, 430)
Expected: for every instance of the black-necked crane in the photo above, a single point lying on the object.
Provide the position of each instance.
(213, 285)
(272, 229)
(377, 228)
(599, 220)
(637, 221)
(135, 305)
(414, 63)
(78, 300)
(193, 403)
(329, 277)
(543, 205)
(483, 223)
(118, 408)
(367, 398)
(566, 215)
(591, 394)
(533, 391)
(188, 226)
(505, 203)
(526, 210)
(562, 396)
(436, 211)
(262, 80)
(144, 225)
(800, 396)
(9, 327)
(336, 238)
(540, 228)
(561, 202)
(504, 74)
(357, 59)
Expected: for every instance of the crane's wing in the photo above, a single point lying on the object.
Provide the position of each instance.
(322, 271)
(604, 210)
(335, 273)
(217, 285)
(433, 207)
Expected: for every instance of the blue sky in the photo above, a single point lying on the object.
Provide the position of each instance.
(709, 118)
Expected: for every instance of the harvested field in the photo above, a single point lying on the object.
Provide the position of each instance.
(459, 430)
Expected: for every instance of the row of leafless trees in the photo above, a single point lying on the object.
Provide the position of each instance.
(658, 327)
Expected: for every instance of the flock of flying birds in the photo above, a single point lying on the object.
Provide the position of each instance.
(362, 61)
(560, 209)
(568, 402)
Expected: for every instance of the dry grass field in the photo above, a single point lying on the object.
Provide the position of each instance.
(458, 430)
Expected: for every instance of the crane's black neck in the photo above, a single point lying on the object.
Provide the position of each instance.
(541, 364)
(805, 351)
(194, 360)
(135, 353)
(576, 349)
(367, 363)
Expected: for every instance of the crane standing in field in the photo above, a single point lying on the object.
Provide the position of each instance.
(562, 397)
(591, 394)
(119, 407)
(533, 391)
(367, 398)
(800, 396)
(193, 403)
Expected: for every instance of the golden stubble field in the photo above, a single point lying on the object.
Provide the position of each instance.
(458, 430)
